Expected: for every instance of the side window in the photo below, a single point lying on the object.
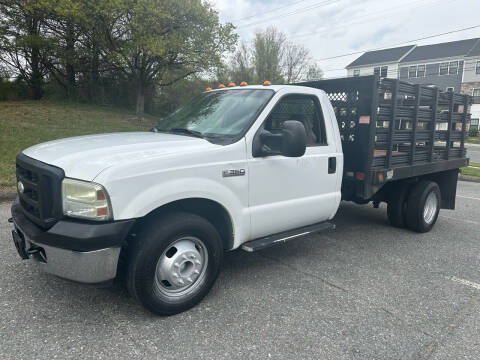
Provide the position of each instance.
(303, 108)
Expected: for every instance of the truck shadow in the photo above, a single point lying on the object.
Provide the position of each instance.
(239, 271)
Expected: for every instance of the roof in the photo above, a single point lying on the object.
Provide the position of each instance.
(475, 51)
(381, 56)
(442, 50)
(275, 88)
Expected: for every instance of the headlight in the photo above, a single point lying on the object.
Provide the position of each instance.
(86, 200)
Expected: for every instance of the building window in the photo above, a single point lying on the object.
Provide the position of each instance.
(476, 96)
(356, 72)
(412, 71)
(444, 68)
(420, 70)
(384, 71)
(453, 68)
(404, 72)
(477, 68)
(450, 89)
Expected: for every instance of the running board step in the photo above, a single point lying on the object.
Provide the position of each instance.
(267, 241)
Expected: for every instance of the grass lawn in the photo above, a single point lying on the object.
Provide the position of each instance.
(473, 140)
(25, 123)
(472, 170)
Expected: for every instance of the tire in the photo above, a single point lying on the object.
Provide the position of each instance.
(174, 262)
(423, 206)
(397, 206)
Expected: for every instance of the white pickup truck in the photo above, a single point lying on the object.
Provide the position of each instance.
(240, 167)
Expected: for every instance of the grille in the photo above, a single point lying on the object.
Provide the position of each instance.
(41, 196)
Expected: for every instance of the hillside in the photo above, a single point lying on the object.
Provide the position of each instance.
(25, 123)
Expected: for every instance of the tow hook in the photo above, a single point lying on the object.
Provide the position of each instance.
(10, 220)
(38, 253)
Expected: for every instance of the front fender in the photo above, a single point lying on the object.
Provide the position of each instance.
(137, 204)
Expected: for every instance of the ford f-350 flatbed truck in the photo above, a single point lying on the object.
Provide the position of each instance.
(239, 167)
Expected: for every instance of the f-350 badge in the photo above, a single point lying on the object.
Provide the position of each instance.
(233, 172)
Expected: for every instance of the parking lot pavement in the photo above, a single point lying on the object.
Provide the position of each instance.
(363, 291)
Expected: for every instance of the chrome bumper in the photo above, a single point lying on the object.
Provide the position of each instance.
(86, 267)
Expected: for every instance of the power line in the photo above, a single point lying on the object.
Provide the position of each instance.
(294, 12)
(400, 43)
(367, 18)
(272, 10)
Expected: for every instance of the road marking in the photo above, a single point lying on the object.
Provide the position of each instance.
(457, 219)
(464, 282)
(468, 197)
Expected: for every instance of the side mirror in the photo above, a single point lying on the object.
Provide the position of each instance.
(294, 139)
(290, 142)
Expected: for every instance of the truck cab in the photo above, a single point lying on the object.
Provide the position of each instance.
(238, 166)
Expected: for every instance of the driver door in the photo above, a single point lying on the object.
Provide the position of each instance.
(287, 193)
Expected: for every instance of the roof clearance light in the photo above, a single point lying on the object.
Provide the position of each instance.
(221, 86)
(208, 89)
(243, 83)
(231, 84)
(266, 83)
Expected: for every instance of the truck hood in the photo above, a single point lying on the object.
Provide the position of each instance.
(84, 157)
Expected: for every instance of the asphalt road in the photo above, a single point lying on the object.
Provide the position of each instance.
(473, 152)
(363, 291)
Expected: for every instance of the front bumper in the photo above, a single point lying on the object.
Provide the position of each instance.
(86, 252)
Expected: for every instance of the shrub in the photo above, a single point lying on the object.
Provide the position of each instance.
(473, 132)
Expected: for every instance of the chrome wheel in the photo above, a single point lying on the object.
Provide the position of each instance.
(181, 267)
(430, 208)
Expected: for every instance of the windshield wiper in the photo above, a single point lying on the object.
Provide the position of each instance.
(187, 132)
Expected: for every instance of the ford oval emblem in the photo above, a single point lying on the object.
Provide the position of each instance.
(20, 187)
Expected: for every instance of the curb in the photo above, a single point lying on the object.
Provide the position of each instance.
(7, 196)
(469, 178)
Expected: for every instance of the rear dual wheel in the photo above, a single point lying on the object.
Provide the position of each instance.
(423, 206)
(415, 207)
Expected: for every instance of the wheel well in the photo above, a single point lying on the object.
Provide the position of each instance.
(215, 213)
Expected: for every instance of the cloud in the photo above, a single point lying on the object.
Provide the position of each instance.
(334, 27)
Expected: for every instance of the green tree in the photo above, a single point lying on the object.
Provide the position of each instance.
(268, 51)
(22, 46)
(155, 43)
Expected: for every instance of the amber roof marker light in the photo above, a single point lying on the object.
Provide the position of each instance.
(266, 83)
(231, 84)
(243, 83)
(221, 86)
(208, 89)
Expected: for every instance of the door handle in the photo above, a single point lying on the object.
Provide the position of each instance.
(332, 165)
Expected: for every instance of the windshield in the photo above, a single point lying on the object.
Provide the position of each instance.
(223, 114)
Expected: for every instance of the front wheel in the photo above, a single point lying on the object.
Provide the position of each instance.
(423, 206)
(174, 263)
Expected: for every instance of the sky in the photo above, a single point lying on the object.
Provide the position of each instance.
(329, 28)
